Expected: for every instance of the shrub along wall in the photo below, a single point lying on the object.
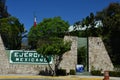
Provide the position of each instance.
(111, 73)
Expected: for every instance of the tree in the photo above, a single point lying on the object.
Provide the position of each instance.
(109, 31)
(56, 49)
(49, 34)
(3, 10)
(50, 27)
(110, 18)
(11, 31)
(89, 24)
(82, 54)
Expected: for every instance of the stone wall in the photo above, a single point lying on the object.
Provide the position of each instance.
(98, 59)
(7, 68)
(4, 63)
(69, 61)
(98, 56)
(70, 57)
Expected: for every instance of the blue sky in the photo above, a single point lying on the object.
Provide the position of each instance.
(68, 10)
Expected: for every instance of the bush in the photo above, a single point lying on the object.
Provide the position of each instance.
(72, 72)
(111, 73)
(96, 72)
(114, 74)
(61, 72)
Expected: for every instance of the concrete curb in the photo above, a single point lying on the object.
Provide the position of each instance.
(48, 77)
(71, 77)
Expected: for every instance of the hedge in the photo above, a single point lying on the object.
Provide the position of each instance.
(96, 72)
(61, 72)
(72, 72)
(111, 73)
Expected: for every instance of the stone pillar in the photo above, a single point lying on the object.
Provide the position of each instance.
(4, 64)
(98, 55)
(70, 58)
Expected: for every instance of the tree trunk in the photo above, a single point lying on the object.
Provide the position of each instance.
(53, 72)
(58, 59)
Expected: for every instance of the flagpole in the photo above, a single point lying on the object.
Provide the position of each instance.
(35, 21)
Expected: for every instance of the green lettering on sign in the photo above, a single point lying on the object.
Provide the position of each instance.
(32, 57)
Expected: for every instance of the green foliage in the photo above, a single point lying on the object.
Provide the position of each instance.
(78, 33)
(49, 27)
(3, 9)
(110, 17)
(47, 39)
(114, 74)
(61, 72)
(109, 31)
(111, 73)
(11, 31)
(57, 47)
(72, 72)
(82, 54)
(96, 72)
(89, 22)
